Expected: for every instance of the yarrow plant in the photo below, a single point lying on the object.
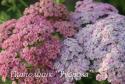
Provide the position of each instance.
(66, 45)
(33, 41)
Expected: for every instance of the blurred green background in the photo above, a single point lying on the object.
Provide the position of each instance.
(119, 4)
(14, 8)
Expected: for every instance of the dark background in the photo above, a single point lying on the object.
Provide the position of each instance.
(13, 8)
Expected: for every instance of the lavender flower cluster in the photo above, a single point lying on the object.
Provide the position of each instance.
(98, 45)
(88, 12)
(68, 44)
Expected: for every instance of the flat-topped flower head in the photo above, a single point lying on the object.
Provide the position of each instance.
(72, 63)
(49, 9)
(88, 12)
(6, 30)
(34, 41)
(104, 44)
(26, 42)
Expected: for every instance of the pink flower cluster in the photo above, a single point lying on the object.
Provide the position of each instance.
(48, 8)
(34, 41)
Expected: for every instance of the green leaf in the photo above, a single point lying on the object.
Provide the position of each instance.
(28, 65)
(59, 1)
(70, 4)
(8, 81)
(4, 16)
(57, 35)
(1, 49)
(104, 82)
(3, 2)
(91, 79)
(36, 44)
